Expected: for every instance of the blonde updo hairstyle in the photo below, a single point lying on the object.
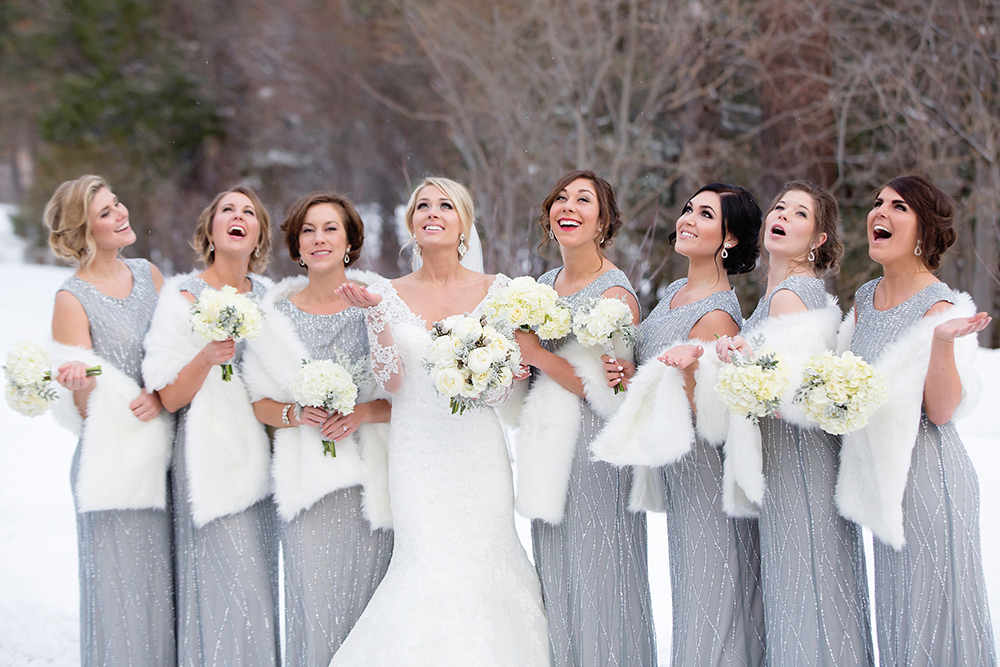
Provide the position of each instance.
(66, 218)
(202, 241)
(453, 190)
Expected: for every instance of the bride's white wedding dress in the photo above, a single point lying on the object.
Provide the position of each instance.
(460, 589)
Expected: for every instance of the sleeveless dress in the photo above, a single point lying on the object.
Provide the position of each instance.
(812, 560)
(460, 589)
(930, 596)
(227, 570)
(718, 618)
(333, 560)
(126, 572)
(593, 566)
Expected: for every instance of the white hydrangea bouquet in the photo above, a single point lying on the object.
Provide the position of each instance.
(326, 384)
(840, 393)
(468, 357)
(225, 313)
(28, 374)
(525, 304)
(603, 322)
(752, 388)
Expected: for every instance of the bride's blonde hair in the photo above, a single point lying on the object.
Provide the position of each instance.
(453, 190)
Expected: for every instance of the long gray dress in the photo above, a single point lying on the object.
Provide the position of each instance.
(333, 559)
(227, 570)
(812, 559)
(930, 597)
(593, 566)
(718, 617)
(126, 572)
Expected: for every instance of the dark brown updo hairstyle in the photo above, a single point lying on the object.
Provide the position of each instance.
(202, 241)
(741, 218)
(609, 219)
(292, 226)
(826, 214)
(935, 213)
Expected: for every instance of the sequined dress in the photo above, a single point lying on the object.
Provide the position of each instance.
(227, 570)
(126, 572)
(812, 559)
(930, 597)
(333, 559)
(593, 566)
(718, 617)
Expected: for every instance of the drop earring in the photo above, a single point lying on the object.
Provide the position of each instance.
(211, 246)
(917, 251)
(725, 251)
(812, 255)
(302, 263)
(552, 235)
(347, 255)
(462, 249)
(256, 251)
(416, 249)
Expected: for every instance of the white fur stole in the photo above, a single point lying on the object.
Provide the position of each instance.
(227, 453)
(302, 473)
(123, 460)
(875, 460)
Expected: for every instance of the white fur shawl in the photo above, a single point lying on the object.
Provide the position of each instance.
(798, 337)
(302, 473)
(875, 461)
(123, 460)
(227, 453)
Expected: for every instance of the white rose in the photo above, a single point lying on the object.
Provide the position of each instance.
(468, 329)
(480, 360)
(441, 351)
(449, 382)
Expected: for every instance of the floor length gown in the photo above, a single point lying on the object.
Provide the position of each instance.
(460, 589)
(812, 560)
(930, 596)
(126, 572)
(593, 566)
(333, 559)
(718, 617)
(227, 570)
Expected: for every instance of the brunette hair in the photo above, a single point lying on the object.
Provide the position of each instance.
(66, 217)
(202, 241)
(935, 213)
(740, 217)
(609, 218)
(296, 217)
(826, 216)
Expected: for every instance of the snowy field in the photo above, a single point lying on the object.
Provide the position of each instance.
(38, 563)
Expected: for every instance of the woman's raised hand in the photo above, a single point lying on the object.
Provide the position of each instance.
(681, 356)
(530, 346)
(948, 331)
(725, 346)
(218, 352)
(358, 296)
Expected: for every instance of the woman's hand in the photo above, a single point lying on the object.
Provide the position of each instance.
(73, 376)
(358, 296)
(617, 371)
(725, 346)
(531, 347)
(339, 426)
(147, 406)
(309, 416)
(218, 352)
(682, 356)
(947, 332)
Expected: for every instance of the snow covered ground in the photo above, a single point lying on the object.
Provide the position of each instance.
(38, 575)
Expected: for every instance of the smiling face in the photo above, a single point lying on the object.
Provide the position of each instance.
(790, 227)
(235, 230)
(323, 238)
(575, 213)
(699, 229)
(893, 229)
(436, 222)
(108, 220)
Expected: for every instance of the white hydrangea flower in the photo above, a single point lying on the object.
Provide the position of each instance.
(841, 393)
(753, 389)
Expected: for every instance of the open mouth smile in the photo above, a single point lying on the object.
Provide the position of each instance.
(238, 231)
(880, 233)
(122, 228)
(568, 223)
(778, 230)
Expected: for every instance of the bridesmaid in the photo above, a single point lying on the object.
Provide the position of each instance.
(906, 475)
(123, 517)
(332, 509)
(714, 568)
(812, 560)
(225, 526)
(590, 551)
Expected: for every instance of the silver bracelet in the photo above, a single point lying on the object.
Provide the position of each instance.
(284, 415)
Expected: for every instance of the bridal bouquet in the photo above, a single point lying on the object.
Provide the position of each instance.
(224, 313)
(752, 388)
(840, 393)
(325, 384)
(601, 322)
(467, 358)
(28, 375)
(524, 304)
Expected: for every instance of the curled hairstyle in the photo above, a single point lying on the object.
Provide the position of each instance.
(296, 218)
(66, 217)
(453, 190)
(203, 230)
(609, 218)
(935, 213)
(740, 217)
(826, 215)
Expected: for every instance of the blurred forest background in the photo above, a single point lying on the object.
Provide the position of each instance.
(174, 100)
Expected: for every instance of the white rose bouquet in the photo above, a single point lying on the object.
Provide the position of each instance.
(752, 388)
(468, 357)
(525, 304)
(28, 374)
(224, 313)
(840, 393)
(602, 322)
(328, 385)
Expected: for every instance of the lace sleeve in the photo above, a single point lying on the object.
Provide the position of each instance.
(498, 395)
(387, 366)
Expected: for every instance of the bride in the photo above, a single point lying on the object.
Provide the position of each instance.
(459, 589)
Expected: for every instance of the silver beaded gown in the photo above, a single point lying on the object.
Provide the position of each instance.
(812, 560)
(333, 559)
(126, 572)
(930, 597)
(227, 570)
(718, 617)
(593, 566)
